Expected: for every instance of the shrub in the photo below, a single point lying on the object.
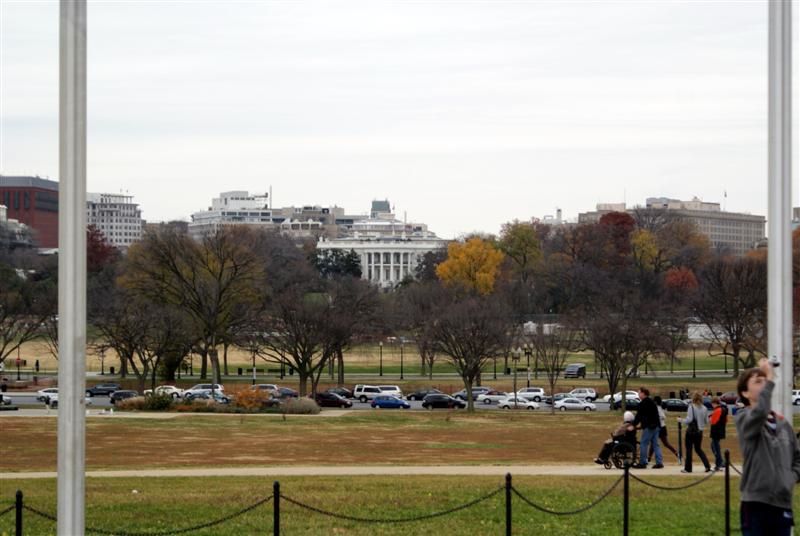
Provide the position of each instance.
(158, 402)
(300, 406)
(131, 404)
(250, 399)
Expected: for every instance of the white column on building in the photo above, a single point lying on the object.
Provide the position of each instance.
(779, 260)
(72, 269)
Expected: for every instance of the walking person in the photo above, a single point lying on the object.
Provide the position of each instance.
(695, 421)
(718, 419)
(662, 432)
(771, 457)
(647, 417)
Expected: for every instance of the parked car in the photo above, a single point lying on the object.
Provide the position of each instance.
(618, 396)
(630, 403)
(269, 388)
(532, 393)
(674, 404)
(389, 402)
(201, 388)
(392, 390)
(575, 370)
(574, 403)
(287, 392)
(332, 400)
(217, 397)
(102, 389)
(491, 396)
(366, 392)
(584, 393)
(555, 398)
(43, 395)
(462, 394)
(517, 402)
(53, 401)
(420, 394)
(122, 394)
(341, 391)
(795, 398)
(5, 400)
(165, 390)
(441, 400)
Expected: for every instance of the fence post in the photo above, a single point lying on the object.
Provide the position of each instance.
(18, 511)
(625, 497)
(680, 442)
(727, 492)
(508, 504)
(276, 508)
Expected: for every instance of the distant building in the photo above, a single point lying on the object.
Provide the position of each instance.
(389, 249)
(32, 201)
(116, 216)
(178, 226)
(734, 232)
(236, 207)
(13, 234)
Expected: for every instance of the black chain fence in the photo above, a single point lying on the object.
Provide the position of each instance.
(589, 506)
(193, 528)
(510, 491)
(673, 488)
(410, 519)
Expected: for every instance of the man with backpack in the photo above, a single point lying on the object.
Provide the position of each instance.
(718, 419)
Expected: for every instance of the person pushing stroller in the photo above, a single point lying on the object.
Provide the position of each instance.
(625, 433)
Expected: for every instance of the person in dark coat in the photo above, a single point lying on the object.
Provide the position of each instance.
(647, 417)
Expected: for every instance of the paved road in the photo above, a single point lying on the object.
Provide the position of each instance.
(381, 470)
(29, 399)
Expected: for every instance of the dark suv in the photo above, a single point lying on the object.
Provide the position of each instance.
(332, 400)
(102, 389)
(441, 400)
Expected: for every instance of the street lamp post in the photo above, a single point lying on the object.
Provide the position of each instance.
(515, 357)
(380, 367)
(725, 356)
(401, 360)
(694, 360)
(254, 368)
(102, 362)
(495, 367)
(191, 364)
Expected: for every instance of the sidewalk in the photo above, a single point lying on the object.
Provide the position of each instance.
(378, 470)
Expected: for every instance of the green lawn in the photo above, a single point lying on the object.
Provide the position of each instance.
(172, 503)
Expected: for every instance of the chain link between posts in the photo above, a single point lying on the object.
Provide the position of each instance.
(589, 506)
(209, 524)
(392, 520)
(673, 488)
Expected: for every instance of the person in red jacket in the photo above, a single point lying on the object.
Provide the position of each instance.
(718, 419)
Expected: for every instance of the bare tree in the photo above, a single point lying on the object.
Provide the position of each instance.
(552, 344)
(471, 330)
(208, 279)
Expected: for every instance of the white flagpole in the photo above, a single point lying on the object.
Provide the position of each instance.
(779, 260)
(72, 269)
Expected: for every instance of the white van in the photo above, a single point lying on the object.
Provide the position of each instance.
(393, 390)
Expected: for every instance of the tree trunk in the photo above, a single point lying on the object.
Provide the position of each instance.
(153, 381)
(340, 363)
(470, 402)
(225, 357)
(123, 367)
(213, 355)
(302, 377)
(204, 362)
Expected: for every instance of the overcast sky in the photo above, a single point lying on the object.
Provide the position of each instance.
(464, 115)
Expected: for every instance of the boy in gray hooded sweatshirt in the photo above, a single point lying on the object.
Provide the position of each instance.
(771, 457)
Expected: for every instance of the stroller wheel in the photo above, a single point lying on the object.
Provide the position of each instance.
(608, 464)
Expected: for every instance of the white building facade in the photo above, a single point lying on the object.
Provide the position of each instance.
(236, 207)
(116, 216)
(386, 261)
